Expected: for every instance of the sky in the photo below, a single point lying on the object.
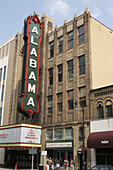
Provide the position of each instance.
(13, 12)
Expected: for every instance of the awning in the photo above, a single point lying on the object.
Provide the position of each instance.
(80, 150)
(100, 140)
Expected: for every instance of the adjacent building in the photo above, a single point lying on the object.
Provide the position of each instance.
(75, 66)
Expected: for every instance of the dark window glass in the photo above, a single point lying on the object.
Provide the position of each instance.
(50, 76)
(82, 96)
(70, 69)
(0, 74)
(70, 39)
(109, 112)
(2, 95)
(50, 104)
(100, 113)
(81, 34)
(68, 133)
(49, 134)
(59, 102)
(70, 99)
(51, 46)
(0, 114)
(60, 72)
(58, 134)
(4, 72)
(60, 40)
(82, 64)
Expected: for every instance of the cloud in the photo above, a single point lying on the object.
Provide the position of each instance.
(58, 7)
(96, 12)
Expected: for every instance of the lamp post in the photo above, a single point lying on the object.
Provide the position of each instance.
(76, 107)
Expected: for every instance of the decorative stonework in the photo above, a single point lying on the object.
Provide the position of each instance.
(60, 58)
(103, 92)
(50, 63)
(80, 50)
(70, 116)
(70, 54)
(59, 118)
(50, 90)
(70, 84)
(82, 81)
(59, 88)
(49, 119)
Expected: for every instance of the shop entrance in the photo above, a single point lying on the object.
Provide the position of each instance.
(60, 155)
(104, 156)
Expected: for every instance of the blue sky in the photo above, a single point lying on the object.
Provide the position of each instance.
(13, 12)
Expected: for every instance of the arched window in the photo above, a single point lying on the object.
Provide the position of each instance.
(109, 112)
(100, 112)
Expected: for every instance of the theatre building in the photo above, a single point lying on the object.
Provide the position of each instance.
(74, 66)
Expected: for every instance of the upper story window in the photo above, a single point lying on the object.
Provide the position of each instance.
(60, 44)
(50, 104)
(49, 134)
(2, 95)
(60, 73)
(51, 76)
(58, 134)
(51, 49)
(100, 112)
(81, 34)
(82, 96)
(70, 99)
(109, 112)
(0, 74)
(0, 114)
(70, 39)
(59, 102)
(82, 65)
(68, 133)
(70, 69)
(4, 72)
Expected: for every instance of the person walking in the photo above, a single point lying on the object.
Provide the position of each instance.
(58, 164)
(66, 165)
(72, 164)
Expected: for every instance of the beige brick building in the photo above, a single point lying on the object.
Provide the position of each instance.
(76, 63)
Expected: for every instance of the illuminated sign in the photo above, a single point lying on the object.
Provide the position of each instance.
(20, 135)
(29, 99)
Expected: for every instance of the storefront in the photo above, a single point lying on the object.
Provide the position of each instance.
(100, 141)
(60, 151)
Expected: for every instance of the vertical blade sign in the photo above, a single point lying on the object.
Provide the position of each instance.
(30, 80)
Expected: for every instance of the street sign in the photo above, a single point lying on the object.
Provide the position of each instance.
(44, 152)
(33, 151)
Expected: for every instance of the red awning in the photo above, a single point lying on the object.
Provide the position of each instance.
(80, 150)
(100, 140)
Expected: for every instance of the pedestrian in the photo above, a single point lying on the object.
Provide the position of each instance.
(47, 165)
(72, 164)
(66, 164)
(58, 164)
(52, 166)
(50, 163)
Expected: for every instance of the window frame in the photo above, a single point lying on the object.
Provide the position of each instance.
(70, 100)
(49, 134)
(50, 104)
(50, 76)
(60, 72)
(60, 45)
(58, 130)
(82, 98)
(108, 108)
(81, 65)
(59, 103)
(100, 110)
(70, 39)
(70, 69)
(51, 49)
(81, 34)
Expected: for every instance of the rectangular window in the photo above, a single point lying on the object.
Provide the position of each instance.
(4, 72)
(70, 69)
(49, 134)
(70, 39)
(60, 73)
(51, 76)
(60, 44)
(70, 99)
(58, 134)
(81, 34)
(82, 96)
(50, 104)
(51, 49)
(0, 114)
(2, 95)
(68, 133)
(59, 102)
(82, 65)
(0, 74)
